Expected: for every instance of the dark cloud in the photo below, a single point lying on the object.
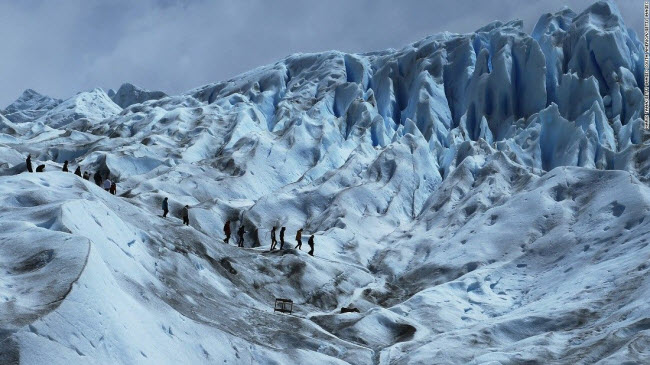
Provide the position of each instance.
(60, 47)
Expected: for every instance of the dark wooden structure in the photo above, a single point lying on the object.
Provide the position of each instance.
(350, 310)
(283, 305)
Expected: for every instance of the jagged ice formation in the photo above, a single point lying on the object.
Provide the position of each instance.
(481, 198)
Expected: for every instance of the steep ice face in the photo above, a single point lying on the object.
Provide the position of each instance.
(596, 44)
(478, 197)
(487, 85)
(129, 94)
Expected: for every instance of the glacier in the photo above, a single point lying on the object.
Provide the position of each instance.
(481, 198)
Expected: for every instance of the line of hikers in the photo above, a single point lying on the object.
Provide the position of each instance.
(185, 212)
(107, 184)
(274, 241)
(185, 215)
(111, 187)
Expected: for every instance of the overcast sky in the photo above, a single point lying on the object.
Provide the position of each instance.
(61, 47)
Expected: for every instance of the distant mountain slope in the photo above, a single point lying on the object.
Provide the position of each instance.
(30, 106)
(129, 94)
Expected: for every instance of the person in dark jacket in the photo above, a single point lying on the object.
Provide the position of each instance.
(299, 239)
(86, 175)
(98, 179)
(28, 163)
(77, 171)
(113, 188)
(311, 245)
(282, 237)
(165, 207)
(240, 234)
(186, 215)
(65, 166)
(40, 168)
(274, 242)
(226, 231)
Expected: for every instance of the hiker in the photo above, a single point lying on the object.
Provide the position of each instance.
(165, 207)
(186, 215)
(65, 166)
(28, 163)
(40, 168)
(98, 179)
(113, 189)
(282, 237)
(78, 171)
(240, 233)
(226, 231)
(274, 242)
(311, 245)
(299, 239)
(107, 184)
(86, 175)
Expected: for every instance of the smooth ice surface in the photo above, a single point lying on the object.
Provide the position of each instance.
(481, 198)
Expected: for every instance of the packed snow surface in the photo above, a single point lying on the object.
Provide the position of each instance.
(480, 198)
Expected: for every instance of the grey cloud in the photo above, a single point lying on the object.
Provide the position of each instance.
(59, 48)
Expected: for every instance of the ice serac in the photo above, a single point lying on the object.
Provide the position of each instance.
(479, 198)
(595, 43)
(508, 81)
(129, 94)
(550, 32)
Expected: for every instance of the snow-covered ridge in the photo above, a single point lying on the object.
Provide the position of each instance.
(480, 198)
(93, 106)
(29, 106)
(129, 94)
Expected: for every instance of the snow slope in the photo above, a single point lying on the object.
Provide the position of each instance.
(480, 198)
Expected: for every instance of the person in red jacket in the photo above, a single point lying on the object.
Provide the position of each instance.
(299, 239)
